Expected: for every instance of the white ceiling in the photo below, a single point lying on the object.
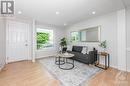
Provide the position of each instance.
(71, 11)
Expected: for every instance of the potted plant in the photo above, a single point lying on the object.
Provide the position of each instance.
(103, 45)
(63, 44)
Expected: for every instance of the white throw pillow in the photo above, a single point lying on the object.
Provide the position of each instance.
(69, 48)
(84, 50)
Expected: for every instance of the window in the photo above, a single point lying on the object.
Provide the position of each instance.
(44, 38)
(75, 36)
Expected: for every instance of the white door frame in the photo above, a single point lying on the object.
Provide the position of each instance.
(34, 41)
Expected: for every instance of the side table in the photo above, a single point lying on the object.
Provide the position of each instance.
(107, 59)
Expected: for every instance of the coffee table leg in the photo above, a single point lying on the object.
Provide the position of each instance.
(59, 62)
(73, 63)
(67, 63)
(57, 59)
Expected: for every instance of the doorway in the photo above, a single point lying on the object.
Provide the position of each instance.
(18, 41)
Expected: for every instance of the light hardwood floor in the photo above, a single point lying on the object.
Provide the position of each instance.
(26, 73)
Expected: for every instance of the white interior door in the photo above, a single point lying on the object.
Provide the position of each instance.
(17, 41)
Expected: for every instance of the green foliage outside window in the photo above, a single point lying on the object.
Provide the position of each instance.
(42, 39)
(75, 36)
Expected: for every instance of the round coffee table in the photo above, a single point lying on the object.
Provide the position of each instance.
(65, 57)
(57, 59)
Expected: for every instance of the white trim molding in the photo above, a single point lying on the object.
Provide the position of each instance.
(121, 39)
(34, 41)
(41, 57)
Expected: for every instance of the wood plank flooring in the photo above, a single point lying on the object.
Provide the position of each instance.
(26, 73)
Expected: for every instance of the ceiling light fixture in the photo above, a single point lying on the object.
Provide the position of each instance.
(19, 12)
(57, 13)
(93, 12)
(65, 24)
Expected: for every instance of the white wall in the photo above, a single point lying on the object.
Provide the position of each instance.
(128, 37)
(58, 32)
(108, 24)
(2, 42)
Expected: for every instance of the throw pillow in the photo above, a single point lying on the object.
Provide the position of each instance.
(84, 50)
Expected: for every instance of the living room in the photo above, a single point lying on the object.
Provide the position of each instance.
(65, 43)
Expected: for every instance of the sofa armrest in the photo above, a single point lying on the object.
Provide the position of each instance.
(91, 57)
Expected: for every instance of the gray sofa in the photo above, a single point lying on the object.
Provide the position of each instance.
(84, 58)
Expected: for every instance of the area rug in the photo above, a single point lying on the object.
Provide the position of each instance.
(74, 77)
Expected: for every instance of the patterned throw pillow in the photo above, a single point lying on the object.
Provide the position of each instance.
(85, 49)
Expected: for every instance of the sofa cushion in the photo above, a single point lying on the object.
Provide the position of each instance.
(77, 49)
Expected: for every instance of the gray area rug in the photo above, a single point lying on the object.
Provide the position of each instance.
(74, 77)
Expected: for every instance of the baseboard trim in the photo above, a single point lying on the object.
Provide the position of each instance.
(1, 68)
(44, 57)
(128, 70)
(115, 67)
